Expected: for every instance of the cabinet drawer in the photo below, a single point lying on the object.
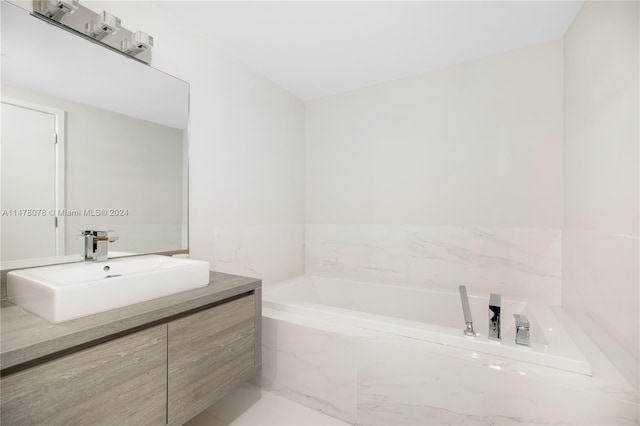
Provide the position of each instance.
(121, 382)
(208, 353)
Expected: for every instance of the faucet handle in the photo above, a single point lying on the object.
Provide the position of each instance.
(95, 232)
(94, 244)
(495, 302)
(522, 330)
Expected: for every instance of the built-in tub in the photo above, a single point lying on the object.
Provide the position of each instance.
(429, 315)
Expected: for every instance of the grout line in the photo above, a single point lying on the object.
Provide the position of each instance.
(608, 234)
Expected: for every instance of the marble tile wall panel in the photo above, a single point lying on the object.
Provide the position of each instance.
(313, 367)
(272, 253)
(357, 251)
(371, 378)
(523, 262)
(601, 290)
(519, 262)
(405, 383)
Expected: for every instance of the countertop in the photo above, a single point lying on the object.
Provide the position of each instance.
(25, 337)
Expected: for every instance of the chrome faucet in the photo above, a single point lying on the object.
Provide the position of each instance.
(522, 330)
(466, 311)
(494, 317)
(95, 245)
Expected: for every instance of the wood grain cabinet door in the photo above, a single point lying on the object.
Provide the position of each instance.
(121, 382)
(209, 352)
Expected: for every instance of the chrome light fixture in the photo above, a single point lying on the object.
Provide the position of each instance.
(56, 9)
(137, 43)
(105, 25)
(102, 28)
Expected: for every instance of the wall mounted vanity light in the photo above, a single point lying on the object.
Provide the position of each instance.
(105, 25)
(57, 9)
(137, 43)
(102, 28)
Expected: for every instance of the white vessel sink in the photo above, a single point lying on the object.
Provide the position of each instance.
(63, 292)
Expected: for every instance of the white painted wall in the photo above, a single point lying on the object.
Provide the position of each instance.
(114, 161)
(445, 178)
(600, 246)
(476, 144)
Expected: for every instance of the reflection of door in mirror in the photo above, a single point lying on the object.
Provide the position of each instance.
(29, 194)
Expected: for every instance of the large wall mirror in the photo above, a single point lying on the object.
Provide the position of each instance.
(90, 140)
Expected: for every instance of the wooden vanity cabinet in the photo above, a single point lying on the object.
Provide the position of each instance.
(209, 353)
(168, 373)
(121, 382)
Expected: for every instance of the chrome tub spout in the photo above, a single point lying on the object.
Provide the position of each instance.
(494, 317)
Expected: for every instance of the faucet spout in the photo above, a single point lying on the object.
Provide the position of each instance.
(494, 317)
(95, 245)
(466, 311)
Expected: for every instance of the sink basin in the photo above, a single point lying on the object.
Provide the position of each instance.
(63, 292)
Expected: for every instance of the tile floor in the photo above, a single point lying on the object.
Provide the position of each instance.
(251, 406)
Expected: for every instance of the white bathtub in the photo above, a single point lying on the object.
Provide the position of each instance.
(433, 316)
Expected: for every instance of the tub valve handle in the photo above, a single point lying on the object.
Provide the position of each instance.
(522, 330)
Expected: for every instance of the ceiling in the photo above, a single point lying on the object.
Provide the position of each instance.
(315, 49)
